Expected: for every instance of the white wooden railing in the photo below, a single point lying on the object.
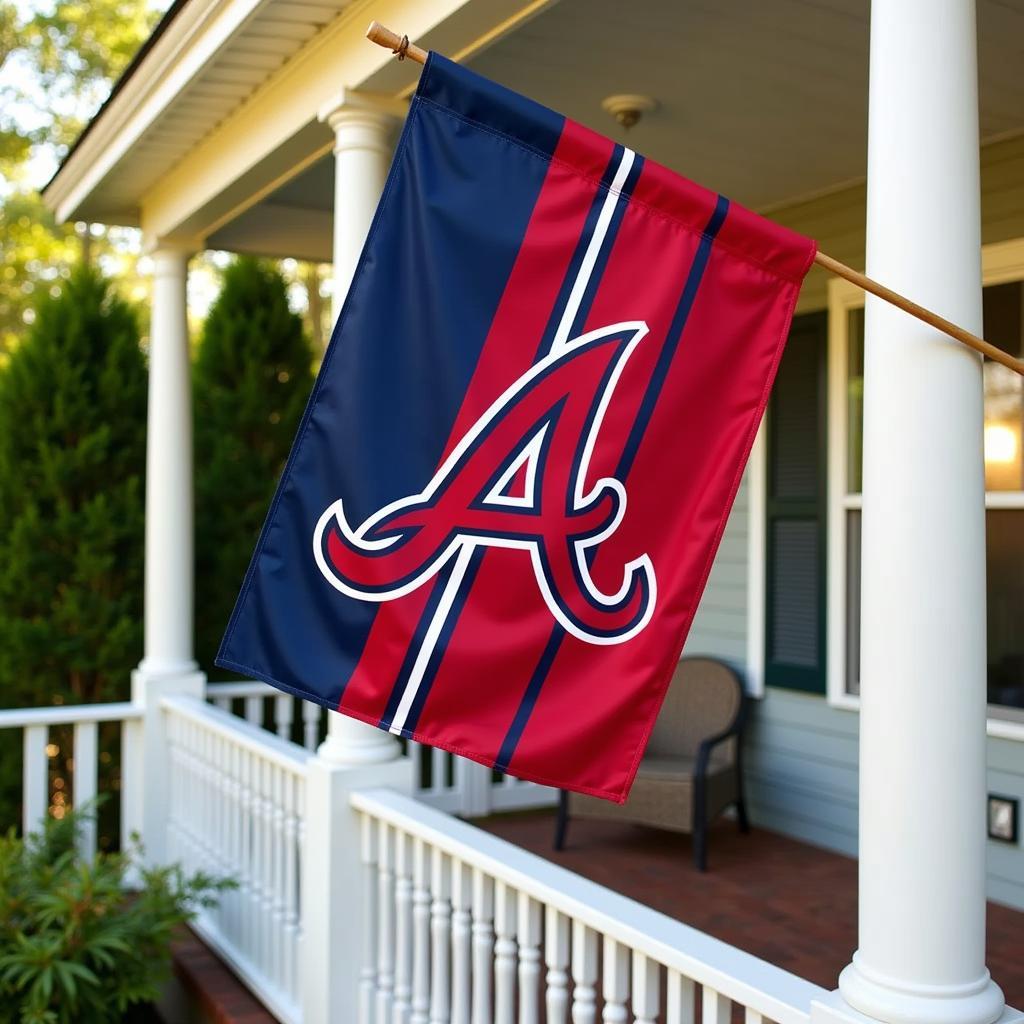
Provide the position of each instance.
(38, 751)
(237, 808)
(464, 927)
(443, 780)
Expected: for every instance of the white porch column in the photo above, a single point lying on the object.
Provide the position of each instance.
(365, 127)
(169, 545)
(921, 956)
(167, 665)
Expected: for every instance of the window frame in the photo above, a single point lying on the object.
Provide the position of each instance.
(1001, 263)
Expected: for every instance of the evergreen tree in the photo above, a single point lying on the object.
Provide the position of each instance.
(252, 375)
(72, 457)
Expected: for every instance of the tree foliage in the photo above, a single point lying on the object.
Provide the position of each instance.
(72, 457)
(57, 62)
(252, 376)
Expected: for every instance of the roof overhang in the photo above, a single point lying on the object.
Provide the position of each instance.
(221, 106)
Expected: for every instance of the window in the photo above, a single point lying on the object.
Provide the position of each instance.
(1003, 305)
(795, 512)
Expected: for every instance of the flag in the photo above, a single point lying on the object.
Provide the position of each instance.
(517, 462)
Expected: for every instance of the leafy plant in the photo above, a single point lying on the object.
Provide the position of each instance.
(76, 945)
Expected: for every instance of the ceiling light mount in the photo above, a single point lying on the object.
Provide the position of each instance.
(628, 108)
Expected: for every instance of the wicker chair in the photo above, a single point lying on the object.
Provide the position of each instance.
(692, 769)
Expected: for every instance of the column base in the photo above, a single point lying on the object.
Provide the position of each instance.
(897, 1002)
(353, 743)
(160, 668)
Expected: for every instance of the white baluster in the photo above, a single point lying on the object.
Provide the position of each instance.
(584, 974)
(505, 950)
(529, 960)
(291, 888)
(267, 915)
(556, 957)
(752, 1017)
(86, 762)
(230, 898)
(224, 703)
(284, 709)
(310, 724)
(715, 1008)
(403, 929)
(680, 999)
(279, 952)
(483, 946)
(420, 932)
(368, 971)
(440, 939)
(615, 982)
(246, 888)
(385, 925)
(254, 711)
(173, 789)
(645, 989)
(437, 773)
(462, 940)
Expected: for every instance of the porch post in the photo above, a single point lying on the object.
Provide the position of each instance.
(364, 127)
(167, 664)
(921, 956)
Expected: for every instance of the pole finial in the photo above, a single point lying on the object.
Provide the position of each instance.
(398, 45)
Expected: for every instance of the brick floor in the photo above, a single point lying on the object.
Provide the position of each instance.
(784, 901)
(216, 993)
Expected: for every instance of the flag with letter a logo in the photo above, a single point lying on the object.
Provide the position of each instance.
(520, 454)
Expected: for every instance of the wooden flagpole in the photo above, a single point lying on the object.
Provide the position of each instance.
(402, 48)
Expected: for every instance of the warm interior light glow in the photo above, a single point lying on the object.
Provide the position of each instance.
(1000, 443)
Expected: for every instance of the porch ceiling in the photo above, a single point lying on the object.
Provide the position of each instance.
(766, 103)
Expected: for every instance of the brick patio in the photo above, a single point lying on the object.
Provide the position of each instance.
(784, 901)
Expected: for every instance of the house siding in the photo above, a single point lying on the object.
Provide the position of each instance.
(802, 753)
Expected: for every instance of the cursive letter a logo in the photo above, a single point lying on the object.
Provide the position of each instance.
(515, 480)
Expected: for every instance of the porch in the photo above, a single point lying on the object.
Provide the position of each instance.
(273, 135)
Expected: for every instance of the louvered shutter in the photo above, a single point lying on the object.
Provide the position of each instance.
(795, 509)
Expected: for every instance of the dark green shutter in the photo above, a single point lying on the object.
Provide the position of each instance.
(795, 510)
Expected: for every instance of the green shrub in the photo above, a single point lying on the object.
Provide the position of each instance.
(76, 946)
(252, 375)
(72, 460)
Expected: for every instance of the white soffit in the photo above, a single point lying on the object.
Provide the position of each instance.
(210, 59)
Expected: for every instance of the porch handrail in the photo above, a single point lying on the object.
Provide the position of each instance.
(68, 714)
(265, 745)
(761, 987)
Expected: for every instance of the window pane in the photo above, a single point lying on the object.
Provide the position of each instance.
(854, 399)
(1005, 568)
(1005, 564)
(1004, 389)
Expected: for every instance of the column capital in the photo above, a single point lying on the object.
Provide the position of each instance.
(353, 105)
(179, 248)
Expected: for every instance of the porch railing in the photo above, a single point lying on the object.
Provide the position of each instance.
(460, 926)
(68, 738)
(237, 808)
(442, 780)
(355, 902)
